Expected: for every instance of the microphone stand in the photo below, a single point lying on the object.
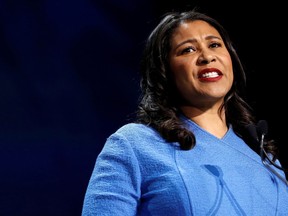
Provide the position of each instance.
(265, 156)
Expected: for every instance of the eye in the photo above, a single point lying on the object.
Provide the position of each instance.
(187, 50)
(215, 45)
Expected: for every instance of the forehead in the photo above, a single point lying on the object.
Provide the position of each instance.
(194, 28)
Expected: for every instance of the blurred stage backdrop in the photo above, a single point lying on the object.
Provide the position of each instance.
(69, 78)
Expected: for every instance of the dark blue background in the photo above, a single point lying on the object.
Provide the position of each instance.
(69, 78)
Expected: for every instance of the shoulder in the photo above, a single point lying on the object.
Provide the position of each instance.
(138, 138)
(137, 132)
(139, 144)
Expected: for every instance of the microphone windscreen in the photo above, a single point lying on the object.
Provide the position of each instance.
(252, 131)
(262, 127)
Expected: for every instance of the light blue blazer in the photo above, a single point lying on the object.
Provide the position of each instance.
(139, 173)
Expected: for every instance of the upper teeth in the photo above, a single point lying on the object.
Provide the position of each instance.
(210, 74)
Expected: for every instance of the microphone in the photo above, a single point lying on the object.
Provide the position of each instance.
(262, 127)
(252, 129)
(258, 132)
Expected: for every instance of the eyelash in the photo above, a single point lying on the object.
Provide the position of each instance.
(212, 45)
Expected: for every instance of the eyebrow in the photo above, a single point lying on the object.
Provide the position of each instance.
(209, 37)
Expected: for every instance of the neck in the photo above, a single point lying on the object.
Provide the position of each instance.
(211, 120)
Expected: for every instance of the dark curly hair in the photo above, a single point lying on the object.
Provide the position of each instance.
(158, 104)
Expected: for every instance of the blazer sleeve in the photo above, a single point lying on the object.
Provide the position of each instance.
(114, 186)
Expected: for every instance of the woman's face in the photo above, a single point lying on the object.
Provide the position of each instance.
(200, 64)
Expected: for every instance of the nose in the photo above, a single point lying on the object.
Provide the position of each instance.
(205, 57)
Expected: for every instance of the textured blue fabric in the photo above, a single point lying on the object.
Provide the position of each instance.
(138, 173)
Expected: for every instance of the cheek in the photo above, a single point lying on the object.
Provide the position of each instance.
(181, 68)
(174, 66)
(228, 61)
(228, 65)
(231, 69)
(182, 74)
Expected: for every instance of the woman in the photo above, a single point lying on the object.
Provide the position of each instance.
(189, 153)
